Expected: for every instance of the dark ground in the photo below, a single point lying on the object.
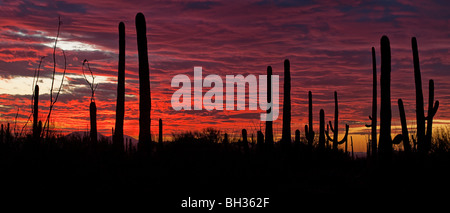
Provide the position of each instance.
(78, 175)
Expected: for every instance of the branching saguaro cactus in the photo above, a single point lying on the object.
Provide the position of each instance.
(286, 132)
(269, 124)
(120, 104)
(423, 139)
(373, 118)
(385, 144)
(309, 133)
(92, 105)
(335, 128)
(144, 82)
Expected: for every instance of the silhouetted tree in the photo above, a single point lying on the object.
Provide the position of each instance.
(54, 99)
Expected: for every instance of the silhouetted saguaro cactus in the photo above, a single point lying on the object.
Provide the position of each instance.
(260, 140)
(346, 147)
(36, 133)
(297, 138)
(432, 109)
(120, 104)
(335, 128)
(245, 141)
(309, 133)
(322, 130)
(92, 105)
(144, 81)
(2, 134)
(269, 124)
(373, 118)
(160, 139)
(405, 134)
(93, 118)
(423, 139)
(351, 139)
(8, 133)
(286, 133)
(385, 143)
(420, 114)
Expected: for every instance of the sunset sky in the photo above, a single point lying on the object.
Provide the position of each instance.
(327, 42)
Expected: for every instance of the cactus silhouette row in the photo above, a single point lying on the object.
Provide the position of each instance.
(145, 102)
(385, 143)
(383, 147)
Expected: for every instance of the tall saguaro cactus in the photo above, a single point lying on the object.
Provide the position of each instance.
(93, 118)
(335, 128)
(309, 133)
(286, 132)
(373, 118)
(269, 124)
(385, 144)
(144, 81)
(120, 105)
(160, 139)
(322, 130)
(36, 132)
(423, 139)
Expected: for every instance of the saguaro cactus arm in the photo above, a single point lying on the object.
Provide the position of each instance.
(345, 136)
(397, 139)
(432, 108)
